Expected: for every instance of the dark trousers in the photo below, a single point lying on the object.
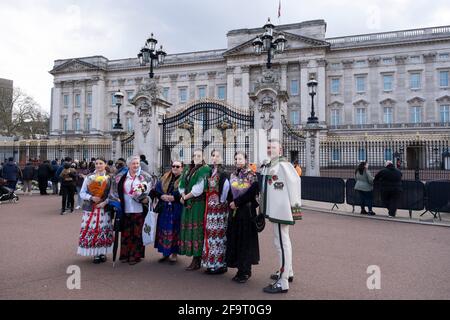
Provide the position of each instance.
(43, 183)
(68, 192)
(391, 200)
(366, 199)
(11, 184)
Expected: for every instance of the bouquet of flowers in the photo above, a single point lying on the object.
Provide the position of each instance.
(140, 191)
(97, 186)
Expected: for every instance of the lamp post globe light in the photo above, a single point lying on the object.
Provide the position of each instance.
(118, 96)
(150, 55)
(312, 85)
(269, 43)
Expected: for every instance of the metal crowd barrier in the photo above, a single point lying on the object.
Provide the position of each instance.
(437, 198)
(324, 190)
(412, 196)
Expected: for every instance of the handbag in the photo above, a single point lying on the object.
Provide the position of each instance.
(149, 228)
(260, 222)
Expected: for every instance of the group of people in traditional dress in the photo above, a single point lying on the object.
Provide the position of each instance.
(203, 213)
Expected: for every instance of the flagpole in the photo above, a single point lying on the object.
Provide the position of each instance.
(279, 12)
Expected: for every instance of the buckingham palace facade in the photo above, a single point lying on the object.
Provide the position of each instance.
(373, 87)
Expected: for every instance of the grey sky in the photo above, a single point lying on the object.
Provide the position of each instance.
(35, 33)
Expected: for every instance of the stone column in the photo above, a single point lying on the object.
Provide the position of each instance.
(211, 84)
(192, 86)
(321, 90)
(245, 86)
(116, 150)
(230, 85)
(173, 88)
(283, 82)
(400, 85)
(83, 104)
(149, 110)
(312, 150)
(98, 104)
(375, 112)
(56, 108)
(268, 104)
(348, 89)
(304, 96)
(429, 112)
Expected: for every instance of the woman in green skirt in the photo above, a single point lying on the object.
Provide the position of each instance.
(193, 185)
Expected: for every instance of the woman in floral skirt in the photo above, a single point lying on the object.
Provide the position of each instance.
(96, 234)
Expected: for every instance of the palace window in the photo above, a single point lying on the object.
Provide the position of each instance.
(89, 99)
(361, 116)
(387, 82)
(130, 124)
(87, 124)
(416, 114)
(294, 87)
(414, 80)
(335, 85)
(361, 154)
(443, 78)
(66, 100)
(336, 154)
(202, 92)
(77, 100)
(130, 94)
(445, 113)
(77, 124)
(165, 93)
(295, 117)
(221, 92)
(388, 115)
(360, 84)
(182, 94)
(387, 154)
(335, 117)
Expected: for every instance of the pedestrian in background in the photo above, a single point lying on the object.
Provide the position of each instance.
(364, 187)
(11, 173)
(82, 173)
(390, 179)
(298, 168)
(27, 178)
(68, 178)
(44, 175)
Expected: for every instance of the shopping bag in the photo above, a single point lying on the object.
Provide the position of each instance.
(149, 228)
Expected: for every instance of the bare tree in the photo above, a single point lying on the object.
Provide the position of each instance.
(21, 115)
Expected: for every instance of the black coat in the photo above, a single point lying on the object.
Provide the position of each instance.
(28, 173)
(45, 171)
(390, 179)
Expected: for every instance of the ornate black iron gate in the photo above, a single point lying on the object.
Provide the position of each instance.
(206, 125)
(127, 146)
(293, 143)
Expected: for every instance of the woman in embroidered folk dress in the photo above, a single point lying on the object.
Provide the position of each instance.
(131, 189)
(169, 213)
(242, 235)
(216, 218)
(96, 235)
(192, 189)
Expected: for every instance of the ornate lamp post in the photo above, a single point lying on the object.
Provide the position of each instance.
(150, 55)
(118, 96)
(312, 84)
(267, 42)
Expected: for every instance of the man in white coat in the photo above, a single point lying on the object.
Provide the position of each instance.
(281, 204)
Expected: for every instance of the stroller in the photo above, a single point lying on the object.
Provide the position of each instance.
(7, 194)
